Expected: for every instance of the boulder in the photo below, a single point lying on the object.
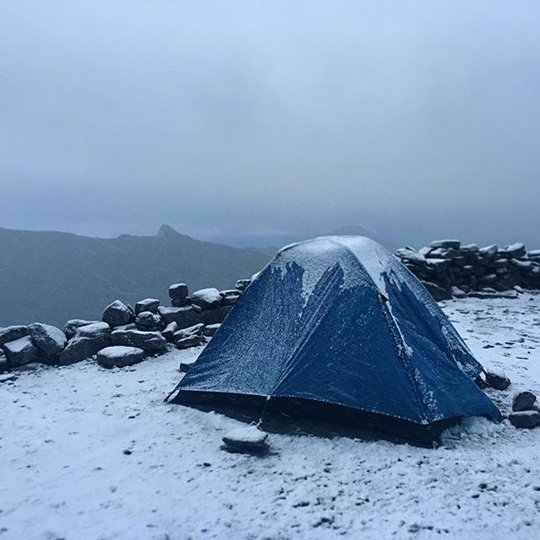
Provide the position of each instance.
(84, 345)
(148, 321)
(211, 329)
(195, 330)
(230, 297)
(497, 380)
(179, 302)
(193, 340)
(514, 251)
(242, 284)
(457, 292)
(120, 356)
(94, 330)
(437, 291)
(48, 339)
(445, 244)
(151, 342)
(130, 326)
(12, 333)
(178, 291)
(523, 401)
(148, 304)
(246, 440)
(489, 251)
(525, 419)
(182, 316)
(117, 314)
(21, 351)
(71, 327)
(169, 331)
(214, 316)
(410, 255)
(206, 298)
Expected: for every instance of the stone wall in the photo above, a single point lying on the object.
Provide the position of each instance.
(125, 335)
(448, 269)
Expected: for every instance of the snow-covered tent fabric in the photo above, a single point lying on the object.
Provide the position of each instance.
(339, 321)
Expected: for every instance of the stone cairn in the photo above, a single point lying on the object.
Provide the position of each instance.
(125, 335)
(448, 269)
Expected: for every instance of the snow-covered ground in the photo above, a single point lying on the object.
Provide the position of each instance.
(87, 453)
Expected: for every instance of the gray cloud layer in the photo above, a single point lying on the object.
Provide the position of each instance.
(238, 120)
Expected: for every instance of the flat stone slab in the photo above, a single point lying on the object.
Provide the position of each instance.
(246, 440)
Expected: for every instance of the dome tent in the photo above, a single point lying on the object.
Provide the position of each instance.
(336, 328)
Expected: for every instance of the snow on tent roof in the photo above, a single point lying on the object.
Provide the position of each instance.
(338, 320)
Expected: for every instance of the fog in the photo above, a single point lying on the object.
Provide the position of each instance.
(257, 122)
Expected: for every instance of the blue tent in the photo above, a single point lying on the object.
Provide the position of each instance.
(337, 328)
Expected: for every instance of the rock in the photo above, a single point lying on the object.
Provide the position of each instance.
(117, 314)
(195, 330)
(130, 326)
(469, 248)
(182, 316)
(514, 251)
(189, 341)
(411, 256)
(85, 344)
(437, 291)
(120, 356)
(497, 380)
(187, 364)
(7, 377)
(179, 302)
(206, 298)
(246, 440)
(151, 342)
(230, 297)
(21, 351)
(457, 292)
(446, 244)
(211, 329)
(525, 419)
(169, 331)
(148, 304)
(522, 265)
(71, 327)
(12, 333)
(214, 316)
(493, 294)
(94, 330)
(148, 321)
(3, 362)
(242, 284)
(489, 251)
(523, 401)
(178, 291)
(48, 339)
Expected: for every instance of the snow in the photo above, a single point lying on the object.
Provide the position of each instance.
(19, 345)
(209, 295)
(249, 434)
(88, 453)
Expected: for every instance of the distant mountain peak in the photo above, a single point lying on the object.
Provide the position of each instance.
(166, 231)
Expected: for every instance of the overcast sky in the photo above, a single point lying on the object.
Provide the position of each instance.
(255, 121)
